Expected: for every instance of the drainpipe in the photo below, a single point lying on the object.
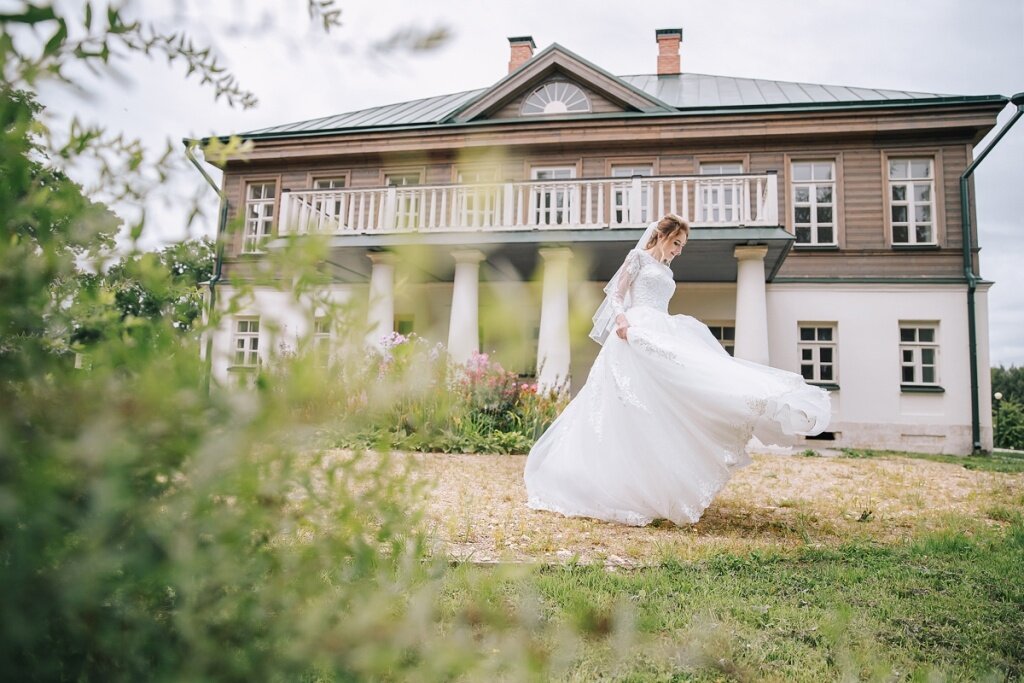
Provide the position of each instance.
(972, 279)
(218, 259)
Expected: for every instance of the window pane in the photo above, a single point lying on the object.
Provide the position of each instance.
(802, 194)
(908, 374)
(927, 334)
(928, 375)
(923, 213)
(729, 333)
(801, 172)
(908, 334)
(908, 356)
(239, 357)
(825, 354)
(823, 171)
(824, 194)
(806, 334)
(899, 234)
(825, 235)
(897, 169)
(922, 192)
(806, 354)
(899, 214)
(923, 233)
(807, 371)
(803, 235)
(928, 356)
(825, 334)
(921, 168)
(826, 372)
(824, 214)
(802, 214)
(899, 193)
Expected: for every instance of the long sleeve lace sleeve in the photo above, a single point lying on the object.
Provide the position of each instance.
(624, 278)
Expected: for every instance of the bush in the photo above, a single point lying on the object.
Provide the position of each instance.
(1009, 425)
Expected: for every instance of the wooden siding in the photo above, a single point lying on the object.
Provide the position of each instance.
(859, 152)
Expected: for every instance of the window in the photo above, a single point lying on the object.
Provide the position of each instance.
(621, 194)
(556, 97)
(551, 203)
(919, 354)
(911, 201)
(407, 201)
(321, 334)
(725, 333)
(814, 189)
(478, 204)
(247, 343)
(404, 324)
(817, 348)
(720, 199)
(259, 214)
(330, 205)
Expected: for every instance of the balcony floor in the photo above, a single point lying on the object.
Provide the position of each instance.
(513, 254)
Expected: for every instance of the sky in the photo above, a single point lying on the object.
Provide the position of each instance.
(963, 47)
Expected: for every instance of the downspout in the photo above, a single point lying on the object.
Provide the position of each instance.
(218, 258)
(969, 274)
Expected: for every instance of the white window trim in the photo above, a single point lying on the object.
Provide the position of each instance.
(812, 203)
(722, 325)
(815, 346)
(620, 198)
(248, 349)
(909, 200)
(567, 193)
(253, 235)
(571, 94)
(915, 347)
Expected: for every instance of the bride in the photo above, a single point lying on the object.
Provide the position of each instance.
(666, 413)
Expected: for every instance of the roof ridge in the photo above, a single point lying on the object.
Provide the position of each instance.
(777, 80)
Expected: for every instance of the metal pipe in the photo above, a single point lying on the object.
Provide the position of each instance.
(969, 274)
(218, 258)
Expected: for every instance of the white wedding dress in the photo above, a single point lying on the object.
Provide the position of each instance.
(663, 418)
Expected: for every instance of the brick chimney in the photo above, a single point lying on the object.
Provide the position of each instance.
(522, 50)
(668, 50)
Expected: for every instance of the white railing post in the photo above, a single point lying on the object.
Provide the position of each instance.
(635, 200)
(771, 192)
(390, 204)
(284, 226)
(508, 205)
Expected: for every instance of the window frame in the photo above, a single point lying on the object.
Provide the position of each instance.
(645, 194)
(243, 204)
(938, 197)
(248, 350)
(535, 209)
(553, 81)
(724, 325)
(815, 346)
(789, 200)
(917, 362)
(712, 160)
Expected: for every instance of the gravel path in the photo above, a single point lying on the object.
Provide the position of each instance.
(476, 509)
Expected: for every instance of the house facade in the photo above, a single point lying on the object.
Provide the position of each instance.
(826, 228)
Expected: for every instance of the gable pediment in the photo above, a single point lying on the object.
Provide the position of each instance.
(555, 63)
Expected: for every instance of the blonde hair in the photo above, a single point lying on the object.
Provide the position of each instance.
(668, 226)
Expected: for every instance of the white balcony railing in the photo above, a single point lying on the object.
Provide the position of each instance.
(705, 201)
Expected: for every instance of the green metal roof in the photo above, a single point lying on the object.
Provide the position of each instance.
(687, 93)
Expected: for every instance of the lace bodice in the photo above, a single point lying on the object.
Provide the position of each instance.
(647, 282)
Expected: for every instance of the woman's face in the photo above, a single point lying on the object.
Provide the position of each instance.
(673, 244)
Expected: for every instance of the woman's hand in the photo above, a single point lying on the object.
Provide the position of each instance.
(621, 325)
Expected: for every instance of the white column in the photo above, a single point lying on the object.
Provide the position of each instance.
(464, 328)
(380, 316)
(553, 341)
(751, 305)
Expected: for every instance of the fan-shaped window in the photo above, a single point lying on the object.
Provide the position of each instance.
(556, 97)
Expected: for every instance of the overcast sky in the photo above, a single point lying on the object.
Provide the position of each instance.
(944, 46)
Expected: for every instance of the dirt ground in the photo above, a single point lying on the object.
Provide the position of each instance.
(477, 510)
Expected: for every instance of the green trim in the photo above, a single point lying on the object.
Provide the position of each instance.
(831, 386)
(815, 247)
(915, 247)
(868, 105)
(919, 389)
(872, 280)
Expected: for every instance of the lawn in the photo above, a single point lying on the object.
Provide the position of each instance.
(867, 566)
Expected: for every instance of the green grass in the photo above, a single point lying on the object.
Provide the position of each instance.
(993, 462)
(947, 606)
